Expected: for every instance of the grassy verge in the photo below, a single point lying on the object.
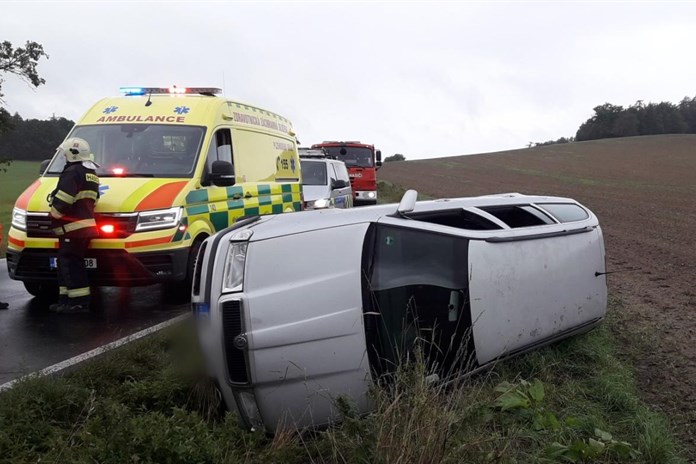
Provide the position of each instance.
(148, 402)
(19, 175)
(390, 193)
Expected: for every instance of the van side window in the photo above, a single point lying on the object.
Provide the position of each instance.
(220, 149)
(332, 174)
(518, 215)
(342, 173)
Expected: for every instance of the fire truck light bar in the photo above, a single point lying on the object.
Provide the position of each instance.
(131, 91)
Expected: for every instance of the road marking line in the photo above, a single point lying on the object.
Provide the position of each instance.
(95, 352)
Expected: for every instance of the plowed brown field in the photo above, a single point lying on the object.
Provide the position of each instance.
(643, 189)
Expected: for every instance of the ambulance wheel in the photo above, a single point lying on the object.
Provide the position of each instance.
(180, 292)
(42, 290)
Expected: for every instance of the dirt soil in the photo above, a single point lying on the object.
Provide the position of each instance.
(643, 189)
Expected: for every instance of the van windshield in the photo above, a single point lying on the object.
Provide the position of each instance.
(139, 150)
(360, 157)
(313, 173)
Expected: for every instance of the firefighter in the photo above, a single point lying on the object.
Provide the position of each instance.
(72, 212)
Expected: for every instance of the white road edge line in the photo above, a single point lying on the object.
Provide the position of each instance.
(95, 352)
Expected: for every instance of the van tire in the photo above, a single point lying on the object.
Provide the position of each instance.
(180, 291)
(44, 291)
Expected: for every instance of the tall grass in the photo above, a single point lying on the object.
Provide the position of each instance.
(150, 402)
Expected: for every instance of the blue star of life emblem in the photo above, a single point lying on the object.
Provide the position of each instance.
(102, 189)
(110, 109)
(292, 164)
(181, 109)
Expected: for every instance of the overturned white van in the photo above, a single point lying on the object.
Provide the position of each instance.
(296, 309)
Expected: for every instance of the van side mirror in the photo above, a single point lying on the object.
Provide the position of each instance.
(378, 164)
(338, 184)
(43, 166)
(407, 203)
(222, 174)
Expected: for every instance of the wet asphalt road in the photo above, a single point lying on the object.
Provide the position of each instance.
(32, 338)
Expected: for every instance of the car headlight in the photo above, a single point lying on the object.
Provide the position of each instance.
(19, 219)
(233, 276)
(371, 194)
(158, 219)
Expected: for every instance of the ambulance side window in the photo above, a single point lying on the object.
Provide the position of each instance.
(220, 149)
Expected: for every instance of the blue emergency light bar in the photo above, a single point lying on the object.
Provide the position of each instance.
(173, 90)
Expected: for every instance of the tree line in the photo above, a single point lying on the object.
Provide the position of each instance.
(33, 139)
(610, 121)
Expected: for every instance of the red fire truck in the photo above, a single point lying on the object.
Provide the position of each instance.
(362, 161)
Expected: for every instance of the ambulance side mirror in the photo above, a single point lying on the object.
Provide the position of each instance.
(44, 166)
(222, 174)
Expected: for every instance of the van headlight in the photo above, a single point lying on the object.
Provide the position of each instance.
(158, 219)
(19, 219)
(319, 204)
(233, 277)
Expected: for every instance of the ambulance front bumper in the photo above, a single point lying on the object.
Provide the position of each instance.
(113, 267)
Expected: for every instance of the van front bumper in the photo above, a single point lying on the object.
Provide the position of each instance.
(114, 267)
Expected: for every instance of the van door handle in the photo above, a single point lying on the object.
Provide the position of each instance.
(248, 195)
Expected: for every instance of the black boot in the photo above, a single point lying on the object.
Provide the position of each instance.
(74, 306)
(62, 301)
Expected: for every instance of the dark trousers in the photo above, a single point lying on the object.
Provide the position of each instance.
(72, 274)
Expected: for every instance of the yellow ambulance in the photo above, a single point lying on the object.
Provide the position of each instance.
(176, 165)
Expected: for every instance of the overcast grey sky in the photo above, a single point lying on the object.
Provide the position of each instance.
(424, 79)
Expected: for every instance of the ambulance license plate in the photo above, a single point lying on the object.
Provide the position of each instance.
(90, 263)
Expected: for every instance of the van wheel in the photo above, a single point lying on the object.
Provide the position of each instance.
(42, 290)
(180, 292)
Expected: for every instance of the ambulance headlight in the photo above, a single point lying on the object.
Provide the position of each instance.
(233, 277)
(19, 219)
(158, 219)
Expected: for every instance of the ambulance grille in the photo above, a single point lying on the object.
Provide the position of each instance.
(39, 225)
(232, 327)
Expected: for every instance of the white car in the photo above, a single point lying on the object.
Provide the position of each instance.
(294, 310)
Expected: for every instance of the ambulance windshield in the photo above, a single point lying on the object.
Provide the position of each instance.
(353, 156)
(139, 150)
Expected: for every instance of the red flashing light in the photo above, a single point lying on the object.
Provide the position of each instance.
(118, 171)
(107, 228)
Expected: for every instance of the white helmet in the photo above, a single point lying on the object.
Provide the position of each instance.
(76, 150)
